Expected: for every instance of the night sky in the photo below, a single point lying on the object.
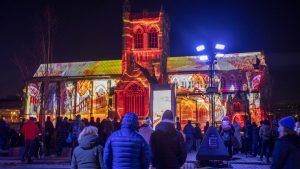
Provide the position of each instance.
(91, 30)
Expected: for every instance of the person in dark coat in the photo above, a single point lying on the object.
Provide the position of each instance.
(106, 128)
(49, 130)
(189, 132)
(265, 133)
(286, 154)
(248, 137)
(3, 133)
(116, 124)
(61, 135)
(167, 144)
(126, 148)
(206, 127)
(255, 139)
(178, 125)
(89, 153)
(197, 136)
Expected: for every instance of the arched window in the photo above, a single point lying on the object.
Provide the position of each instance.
(138, 39)
(135, 100)
(153, 40)
(236, 107)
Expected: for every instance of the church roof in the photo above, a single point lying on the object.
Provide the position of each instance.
(237, 61)
(107, 67)
(181, 64)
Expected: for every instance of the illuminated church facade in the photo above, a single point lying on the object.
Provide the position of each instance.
(114, 87)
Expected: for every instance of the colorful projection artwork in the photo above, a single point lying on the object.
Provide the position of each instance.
(256, 82)
(67, 99)
(220, 109)
(83, 99)
(255, 107)
(190, 83)
(51, 101)
(162, 101)
(33, 100)
(100, 100)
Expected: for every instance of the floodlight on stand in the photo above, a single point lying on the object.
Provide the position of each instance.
(220, 46)
(200, 48)
(219, 55)
(203, 58)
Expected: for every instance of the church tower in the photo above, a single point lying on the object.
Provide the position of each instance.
(145, 41)
(145, 48)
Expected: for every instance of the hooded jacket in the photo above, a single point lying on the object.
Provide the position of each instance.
(88, 154)
(30, 130)
(126, 148)
(168, 148)
(287, 153)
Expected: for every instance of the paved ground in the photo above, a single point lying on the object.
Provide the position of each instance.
(239, 162)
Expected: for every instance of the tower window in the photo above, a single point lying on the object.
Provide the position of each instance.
(153, 40)
(138, 39)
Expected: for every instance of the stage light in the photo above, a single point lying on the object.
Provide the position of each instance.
(200, 48)
(203, 58)
(219, 55)
(220, 46)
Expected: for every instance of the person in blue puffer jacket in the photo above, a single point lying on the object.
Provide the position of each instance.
(126, 148)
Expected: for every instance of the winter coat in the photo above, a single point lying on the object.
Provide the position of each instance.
(168, 148)
(49, 128)
(126, 148)
(30, 130)
(197, 133)
(287, 153)
(248, 132)
(88, 154)
(178, 126)
(188, 131)
(62, 133)
(237, 134)
(227, 134)
(255, 134)
(146, 132)
(265, 132)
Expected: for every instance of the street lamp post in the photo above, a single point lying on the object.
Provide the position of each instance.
(211, 89)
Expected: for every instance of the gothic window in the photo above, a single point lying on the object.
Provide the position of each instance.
(153, 39)
(236, 107)
(138, 39)
(135, 100)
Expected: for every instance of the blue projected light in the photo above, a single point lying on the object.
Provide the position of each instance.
(220, 46)
(200, 48)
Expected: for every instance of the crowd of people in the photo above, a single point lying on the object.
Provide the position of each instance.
(113, 144)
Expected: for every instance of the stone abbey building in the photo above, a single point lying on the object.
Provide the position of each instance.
(114, 87)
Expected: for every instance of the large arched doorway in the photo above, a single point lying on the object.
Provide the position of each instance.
(134, 99)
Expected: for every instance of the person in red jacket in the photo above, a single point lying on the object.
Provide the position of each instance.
(30, 130)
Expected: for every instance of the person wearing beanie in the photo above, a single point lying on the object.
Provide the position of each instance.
(227, 133)
(126, 148)
(146, 129)
(167, 144)
(287, 148)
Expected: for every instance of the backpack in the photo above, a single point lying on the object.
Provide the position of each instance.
(226, 135)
